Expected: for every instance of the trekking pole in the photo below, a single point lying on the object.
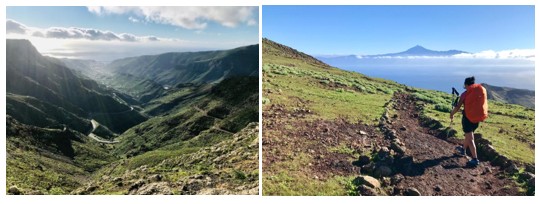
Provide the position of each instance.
(455, 96)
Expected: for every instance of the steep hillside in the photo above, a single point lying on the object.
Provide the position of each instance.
(48, 80)
(333, 132)
(148, 77)
(226, 108)
(207, 145)
(521, 97)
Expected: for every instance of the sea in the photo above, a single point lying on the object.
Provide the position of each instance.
(443, 74)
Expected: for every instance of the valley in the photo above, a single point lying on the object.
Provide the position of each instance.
(174, 123)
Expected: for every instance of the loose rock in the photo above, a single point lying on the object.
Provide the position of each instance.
(412, 192)
(513, 168)
(363, 160)
(156, 178)
(368, 181)
(396, 179)
(14, 190)
(382, 171)
(366, 191)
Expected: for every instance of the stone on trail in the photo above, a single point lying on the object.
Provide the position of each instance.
(412, 192)
(382, 171)
(367, 181)
(396, 179)
(368, 168)
(366, 191)
(398, 148)
(363, 160)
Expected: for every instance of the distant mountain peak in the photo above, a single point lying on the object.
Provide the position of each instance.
(417, 48)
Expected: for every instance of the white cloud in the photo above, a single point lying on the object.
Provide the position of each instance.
(132, 19)
(522, 54)
(14, 27)
(101, 50)
(186, 17)
(504, 54)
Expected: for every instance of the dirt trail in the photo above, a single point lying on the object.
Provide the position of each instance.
(435, 169)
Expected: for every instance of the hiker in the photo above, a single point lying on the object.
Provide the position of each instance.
(475, 111)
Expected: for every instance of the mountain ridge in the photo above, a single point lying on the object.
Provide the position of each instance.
(511, 95)
(145, 77)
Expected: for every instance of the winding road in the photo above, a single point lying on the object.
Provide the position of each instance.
(95, 125)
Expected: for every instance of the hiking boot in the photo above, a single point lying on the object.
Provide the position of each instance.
(460, 151)
(473, 162)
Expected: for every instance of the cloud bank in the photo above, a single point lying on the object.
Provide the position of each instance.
(14, 27)
(525, 54)
(504, 54)
(193, 18)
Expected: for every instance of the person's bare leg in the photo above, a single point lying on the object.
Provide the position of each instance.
(471, 144)
(466, 144)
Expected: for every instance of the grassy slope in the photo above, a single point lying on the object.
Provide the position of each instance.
(290, 77)
(53, 162)
(349, 94)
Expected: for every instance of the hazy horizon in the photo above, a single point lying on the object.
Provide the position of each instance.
(109, 33)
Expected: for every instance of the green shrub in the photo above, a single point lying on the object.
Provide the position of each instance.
(239, 175)
(443, 108)
(324, 81)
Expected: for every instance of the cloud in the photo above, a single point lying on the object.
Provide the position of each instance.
(101, 50)
(14, 27)
(525, 54)
(196, 18)
(133, 19)
(504, 54)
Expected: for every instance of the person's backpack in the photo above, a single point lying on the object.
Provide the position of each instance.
(475, 104)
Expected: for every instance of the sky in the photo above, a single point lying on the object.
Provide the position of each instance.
(108, 33)
(367, 30)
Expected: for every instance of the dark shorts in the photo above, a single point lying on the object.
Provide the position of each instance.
(468, 126)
